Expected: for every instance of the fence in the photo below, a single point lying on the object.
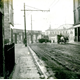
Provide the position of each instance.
(9, 58)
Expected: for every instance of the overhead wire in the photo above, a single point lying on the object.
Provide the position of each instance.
(32, 7)
(53, 3)
(46, 1)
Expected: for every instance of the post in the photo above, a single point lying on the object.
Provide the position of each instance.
(31, 22)
(4, 73)
(25, 26)
(31, 31)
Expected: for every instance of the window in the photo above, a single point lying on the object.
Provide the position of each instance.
(79, 14)
(74, 16)
(79, 31)
(75, 31)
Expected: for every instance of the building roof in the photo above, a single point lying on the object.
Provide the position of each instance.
(62, 27)
(55, 29)
(65, 26)
(17, 30)
(29, 31)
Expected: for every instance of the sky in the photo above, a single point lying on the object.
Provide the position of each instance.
(61, 12)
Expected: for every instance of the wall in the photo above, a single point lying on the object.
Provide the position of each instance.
(71, 33)
(77, 19)
(2, 37)
(8, 21)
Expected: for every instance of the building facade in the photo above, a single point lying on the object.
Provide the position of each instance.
(52, 33)
(18, 36)
(32, 36)
(6, 18)
(8, 21)
(66, 30)
(35, 36)
(76, 7)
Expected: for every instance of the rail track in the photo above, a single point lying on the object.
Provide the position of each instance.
(56, 57)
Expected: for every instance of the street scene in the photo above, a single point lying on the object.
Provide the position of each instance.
(40, 39)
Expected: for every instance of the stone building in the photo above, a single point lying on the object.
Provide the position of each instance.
(18, 36)
(32, 36)
(35, 36)
(8, 21)
(52, 33)
(63, 30)
(76, 7)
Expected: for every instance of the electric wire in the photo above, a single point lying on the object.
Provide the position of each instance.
(54, 3)
(32, 7)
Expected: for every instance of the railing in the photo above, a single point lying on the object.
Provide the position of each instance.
(9, 58)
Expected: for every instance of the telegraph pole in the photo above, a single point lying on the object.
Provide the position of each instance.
(25, 40)
(31, 22)
(31, 31)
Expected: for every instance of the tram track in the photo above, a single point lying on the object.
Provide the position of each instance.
(51, 58)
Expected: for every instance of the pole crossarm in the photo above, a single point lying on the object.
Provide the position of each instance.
(37, 10)
(31, 20)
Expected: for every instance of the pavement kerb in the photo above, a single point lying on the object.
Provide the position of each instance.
(36, 62)
(43, 75)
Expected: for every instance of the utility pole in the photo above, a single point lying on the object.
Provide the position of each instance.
(31, 31)
(25, 40)
(31, 21)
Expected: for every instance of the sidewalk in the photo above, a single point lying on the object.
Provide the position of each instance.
(25, 67)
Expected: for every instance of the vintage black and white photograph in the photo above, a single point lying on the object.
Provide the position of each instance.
(40, 39)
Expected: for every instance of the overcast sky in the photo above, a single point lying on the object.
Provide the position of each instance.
(61, 12)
